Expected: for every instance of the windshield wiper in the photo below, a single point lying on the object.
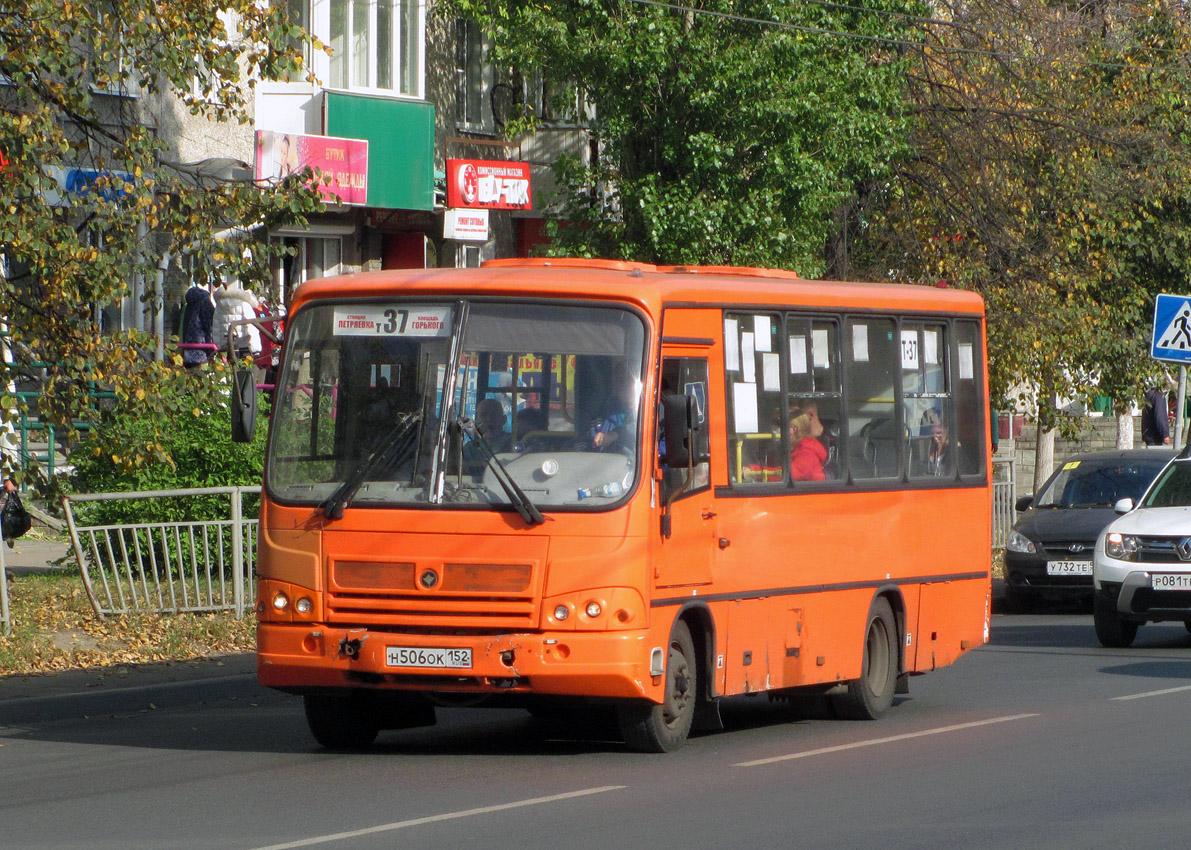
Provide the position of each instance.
(528, 510)
(390, 449)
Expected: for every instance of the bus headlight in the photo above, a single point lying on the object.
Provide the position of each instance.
(561, 612)
(1123, 547)
(303, 605)
(280, 602)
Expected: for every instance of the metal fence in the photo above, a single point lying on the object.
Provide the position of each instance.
(5, 616)
(166, 567)
(1004, 495)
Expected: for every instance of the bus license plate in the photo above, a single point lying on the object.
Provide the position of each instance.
(424, 656)
(1171, 581)
(1068, 568)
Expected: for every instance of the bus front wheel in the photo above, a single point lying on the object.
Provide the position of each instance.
(650, 728)
(870, 696)
(341, 721)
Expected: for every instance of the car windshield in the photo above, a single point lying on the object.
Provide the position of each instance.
(1173, 488)
(554, 392)
(1099, 483)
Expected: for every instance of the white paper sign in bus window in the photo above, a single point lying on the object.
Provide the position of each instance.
(860, 343)
(432, 320)
(967, 359)
(731, 345)
(797, 355)
(910, 351)
(820, 342)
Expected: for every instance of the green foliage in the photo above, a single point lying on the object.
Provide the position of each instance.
(728, 135)
(1053, 176)
(89, 86)
(195, 448)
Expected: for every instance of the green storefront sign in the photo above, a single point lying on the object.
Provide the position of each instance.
(400, 136)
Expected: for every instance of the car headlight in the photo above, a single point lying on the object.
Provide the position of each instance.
(1123, 547)
(1018, 542)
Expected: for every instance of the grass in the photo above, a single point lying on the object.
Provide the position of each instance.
(54, 628)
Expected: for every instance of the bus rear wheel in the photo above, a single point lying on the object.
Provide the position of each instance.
(341, 721)
(870, 696)
(652, 728)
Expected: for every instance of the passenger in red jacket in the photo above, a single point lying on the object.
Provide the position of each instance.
(807, 454)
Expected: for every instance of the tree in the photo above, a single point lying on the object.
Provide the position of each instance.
(92, 198)
(1051, 174)
(729, 131)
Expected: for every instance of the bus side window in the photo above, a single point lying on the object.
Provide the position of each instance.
(686, 376)
(970, 427)
(872, 425)
(756, 430)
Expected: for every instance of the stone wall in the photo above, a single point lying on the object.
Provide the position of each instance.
(1099, 434)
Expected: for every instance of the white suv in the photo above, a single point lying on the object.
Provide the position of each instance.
(1142, 565)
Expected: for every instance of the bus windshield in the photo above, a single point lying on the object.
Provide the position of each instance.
(547, 396)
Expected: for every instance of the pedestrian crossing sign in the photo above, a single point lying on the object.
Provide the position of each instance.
(1172, 328)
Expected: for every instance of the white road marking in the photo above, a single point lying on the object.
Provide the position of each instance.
(484, 810)
(1154, 693)
(891, 739)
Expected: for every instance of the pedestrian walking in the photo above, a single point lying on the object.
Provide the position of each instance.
(1155, 418)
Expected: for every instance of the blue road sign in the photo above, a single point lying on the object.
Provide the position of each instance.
(1172, 328)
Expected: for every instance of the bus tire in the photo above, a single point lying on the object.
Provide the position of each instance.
(341, 721)
(1112, 630)
(651, 728)
(870, 696)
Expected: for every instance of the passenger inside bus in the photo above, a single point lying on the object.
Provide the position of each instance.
(807, 452)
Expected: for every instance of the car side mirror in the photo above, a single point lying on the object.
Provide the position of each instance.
(1024, 503)
(243, 406)
(1123, 506)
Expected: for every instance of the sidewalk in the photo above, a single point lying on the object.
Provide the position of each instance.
(34, 555)
(109, 690)
(75, 694)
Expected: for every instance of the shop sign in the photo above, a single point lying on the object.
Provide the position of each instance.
(492, 185)
(343, 162)
(465, 225)
(108, 185)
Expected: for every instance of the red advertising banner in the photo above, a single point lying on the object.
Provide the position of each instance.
(344, 161)
(493, 185)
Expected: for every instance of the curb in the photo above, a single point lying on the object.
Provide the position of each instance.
(77, 705)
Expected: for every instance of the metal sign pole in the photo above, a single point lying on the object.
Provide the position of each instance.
(1179, 416)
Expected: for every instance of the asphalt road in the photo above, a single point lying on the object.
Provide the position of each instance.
(1041, 739)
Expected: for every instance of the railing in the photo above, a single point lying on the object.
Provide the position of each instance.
(5, 616)
(168, 566)
(1004, 495)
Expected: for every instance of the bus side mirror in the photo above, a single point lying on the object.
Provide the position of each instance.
(243, 406)
(678, 418)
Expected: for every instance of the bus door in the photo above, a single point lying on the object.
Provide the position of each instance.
(687, 526)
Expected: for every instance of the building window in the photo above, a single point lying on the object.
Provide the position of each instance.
(376, 45)
(313, 257)
(473, 76)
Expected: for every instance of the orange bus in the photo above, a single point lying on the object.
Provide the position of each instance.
(549, 482)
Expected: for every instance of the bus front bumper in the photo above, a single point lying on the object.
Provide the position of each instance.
(295, 657)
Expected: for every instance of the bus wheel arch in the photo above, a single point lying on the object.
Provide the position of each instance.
(870, 696)
(663, 727)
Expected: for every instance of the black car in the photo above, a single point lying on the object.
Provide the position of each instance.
(1049, 552)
